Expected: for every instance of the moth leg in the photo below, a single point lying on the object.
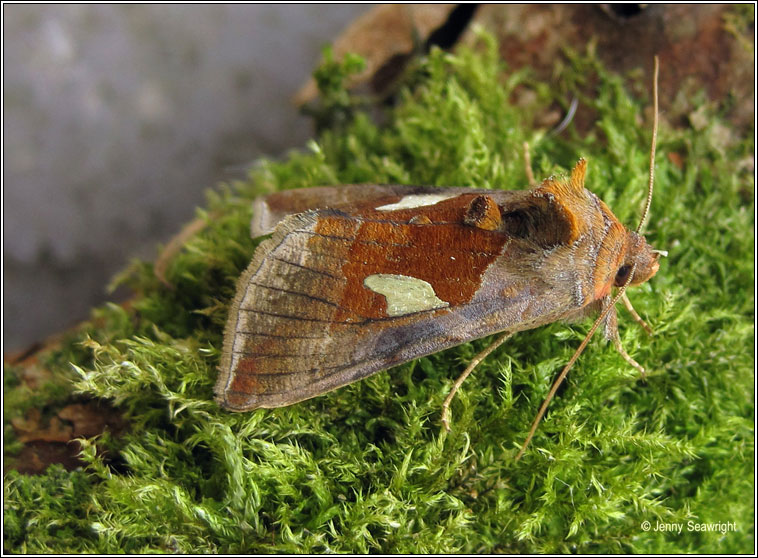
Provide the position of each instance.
(611, 332)
(528, 166)
(474, 362)
(630, 360)
(635, 315)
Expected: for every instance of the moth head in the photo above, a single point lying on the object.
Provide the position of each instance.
(640, 257)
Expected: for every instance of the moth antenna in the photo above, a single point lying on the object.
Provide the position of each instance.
(652, 146)
(572, 360)
(566, 119)
(621, 294)
(528, 166)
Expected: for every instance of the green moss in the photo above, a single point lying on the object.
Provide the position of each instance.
(367, 468)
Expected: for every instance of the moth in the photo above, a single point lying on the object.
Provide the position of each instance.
(379, 275)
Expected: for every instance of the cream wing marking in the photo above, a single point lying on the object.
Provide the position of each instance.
(416, 200)
(405, 295)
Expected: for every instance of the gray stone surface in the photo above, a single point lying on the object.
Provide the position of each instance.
(118, 117)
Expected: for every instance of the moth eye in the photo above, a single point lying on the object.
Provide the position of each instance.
(622, 275)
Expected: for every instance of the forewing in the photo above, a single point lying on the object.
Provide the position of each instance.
(334, 296)
(270, 210)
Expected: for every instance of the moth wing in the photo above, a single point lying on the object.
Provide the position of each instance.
(333, 296)
(269, 210)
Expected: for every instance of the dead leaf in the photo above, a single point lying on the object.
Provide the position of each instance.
(381, 34)
(31, 428)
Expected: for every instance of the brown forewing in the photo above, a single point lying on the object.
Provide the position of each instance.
(303, 322)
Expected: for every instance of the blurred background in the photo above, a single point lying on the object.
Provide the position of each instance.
(118, 117)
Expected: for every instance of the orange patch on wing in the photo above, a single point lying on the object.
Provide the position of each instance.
(245, 380)
(450, 256)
